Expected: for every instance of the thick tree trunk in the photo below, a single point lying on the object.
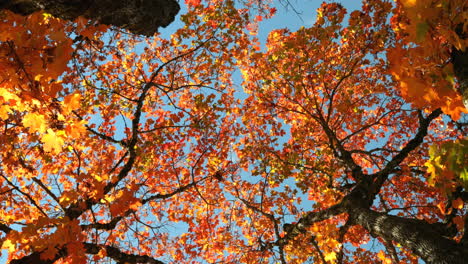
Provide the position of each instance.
(460, 65)
(419, 236)
(139, 16)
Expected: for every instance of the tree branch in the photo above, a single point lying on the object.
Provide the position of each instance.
(381, 176)
(5, 228)
(293, 230)
(119, 256)
(319, 251)
(111, 251)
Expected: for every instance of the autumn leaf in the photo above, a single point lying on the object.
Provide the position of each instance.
(35, 122)
(49, 253)
(8, 245)
(193, 2)
(68, 197)
(457, 204)
(4, 110)
(448, 160)
(459, 222)
(53, 141)
(71, 102)
(381, 255)
(76, 129)
(330, 256)
(421, 30)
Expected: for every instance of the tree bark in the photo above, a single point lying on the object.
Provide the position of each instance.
(139, 16)
(93, 249)
(417, 235)
(460, 65)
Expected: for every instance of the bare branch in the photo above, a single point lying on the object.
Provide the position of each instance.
(5, 228)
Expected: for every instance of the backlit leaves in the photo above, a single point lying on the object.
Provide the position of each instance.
(35, 122)
(448, 162)
(116, 147)
(420, 61)
(53, 141)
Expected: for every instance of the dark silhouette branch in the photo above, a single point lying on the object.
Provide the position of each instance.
(111, 251)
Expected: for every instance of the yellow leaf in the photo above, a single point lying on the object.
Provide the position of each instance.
(7, 244)
(53, 142)
(38, 77)
(47, 15)
(4, 110)
(331, 256)
(7, 96)
(381, 255)
(35, 122)
(101, 177)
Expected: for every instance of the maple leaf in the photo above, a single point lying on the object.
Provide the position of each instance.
(53, 141)
(458, 203)
(76, 129)
(49, 253)
(4, 110)
(9, 245)
(193, 3)
(330, 256)
(35, 122)
(71, 102)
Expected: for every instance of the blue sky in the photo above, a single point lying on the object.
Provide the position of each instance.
(286, 16)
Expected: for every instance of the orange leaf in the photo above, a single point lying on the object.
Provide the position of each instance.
(49, 253)
(457, 204)
(71, 102)
(193, 2)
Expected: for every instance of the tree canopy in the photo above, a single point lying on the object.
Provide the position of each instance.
(340, 142)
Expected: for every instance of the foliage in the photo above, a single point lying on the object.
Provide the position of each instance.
(117, 147)
(427, 32)
(448, 163)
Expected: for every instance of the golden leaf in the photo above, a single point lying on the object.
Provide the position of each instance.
(35, 122)
(71, 102)
(8, 245)
(53, 142)
(331, 256)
